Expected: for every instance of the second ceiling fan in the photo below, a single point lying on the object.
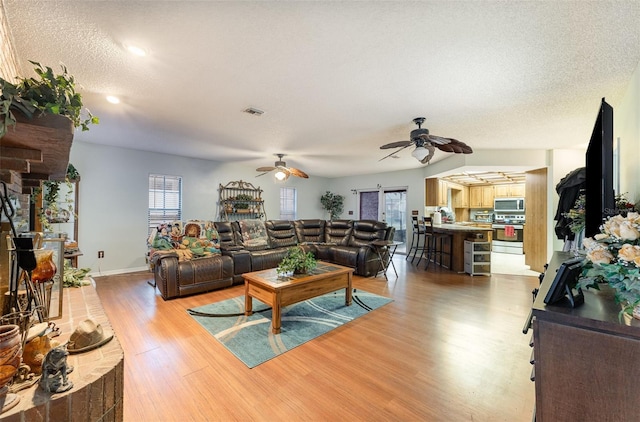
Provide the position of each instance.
(426, 144)
(283, 172)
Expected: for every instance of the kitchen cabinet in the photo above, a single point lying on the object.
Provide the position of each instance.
(459, 195)
(481, 196)
(436, 193)
(515, 190)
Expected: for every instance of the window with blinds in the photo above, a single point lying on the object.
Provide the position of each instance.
(165, 199)
(288, 206)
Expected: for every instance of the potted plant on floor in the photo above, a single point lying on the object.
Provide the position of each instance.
(333, 203)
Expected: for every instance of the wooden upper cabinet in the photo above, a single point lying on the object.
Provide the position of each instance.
(488, 195)
(436, 193)
(481, 196)
(515, 190)
(459, 195)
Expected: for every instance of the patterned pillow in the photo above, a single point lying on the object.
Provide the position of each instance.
(254, 234)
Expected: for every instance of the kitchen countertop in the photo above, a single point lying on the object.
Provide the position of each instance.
(464, 226)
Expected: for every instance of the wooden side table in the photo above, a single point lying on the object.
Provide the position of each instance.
(73, 257)
(380, 246)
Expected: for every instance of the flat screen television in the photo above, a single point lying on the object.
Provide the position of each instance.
(598, 192)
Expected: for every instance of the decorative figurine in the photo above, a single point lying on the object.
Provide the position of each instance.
(55, 370)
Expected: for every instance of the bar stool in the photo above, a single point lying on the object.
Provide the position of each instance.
(436, 249)
(417, 239)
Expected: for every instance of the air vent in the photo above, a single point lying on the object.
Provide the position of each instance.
(254, 111)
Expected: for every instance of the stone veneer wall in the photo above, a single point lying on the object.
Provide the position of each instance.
(8, 64)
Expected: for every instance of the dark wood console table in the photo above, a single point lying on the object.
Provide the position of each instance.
(585, 359)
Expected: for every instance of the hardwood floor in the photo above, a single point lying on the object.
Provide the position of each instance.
(448, 348)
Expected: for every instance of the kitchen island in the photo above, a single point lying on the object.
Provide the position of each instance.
(459, 232)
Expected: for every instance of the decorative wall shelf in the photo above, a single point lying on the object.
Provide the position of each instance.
(240, 201)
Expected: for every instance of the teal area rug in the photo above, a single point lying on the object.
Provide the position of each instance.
(250, 339)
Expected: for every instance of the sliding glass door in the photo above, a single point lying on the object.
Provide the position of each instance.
(388, 205)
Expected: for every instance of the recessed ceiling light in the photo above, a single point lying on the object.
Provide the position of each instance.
(138, 51)
(113, 100)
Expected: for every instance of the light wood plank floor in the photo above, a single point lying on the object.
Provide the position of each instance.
(449, 347)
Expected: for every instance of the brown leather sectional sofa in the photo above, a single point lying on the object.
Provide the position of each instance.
(343, 242)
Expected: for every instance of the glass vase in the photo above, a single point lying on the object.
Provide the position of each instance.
(45, 267)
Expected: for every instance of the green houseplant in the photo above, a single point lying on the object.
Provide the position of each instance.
(48, 93)
(333, 203)
(243, 197)
(54, 208)
(296, 261)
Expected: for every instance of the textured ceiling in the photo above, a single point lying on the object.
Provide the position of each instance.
(336, 79)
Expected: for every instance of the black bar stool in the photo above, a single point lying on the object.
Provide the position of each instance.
(418, 241)
(435, 250)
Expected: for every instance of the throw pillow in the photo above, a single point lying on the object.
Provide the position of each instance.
(254, 234)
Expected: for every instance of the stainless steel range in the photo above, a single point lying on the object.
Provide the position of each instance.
(508, 233)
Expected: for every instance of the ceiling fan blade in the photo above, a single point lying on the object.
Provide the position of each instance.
(298, 173)
(451, 145)
(460, 147)
(265, 169)
(465, 149)
(262, 174)
(397, 144)
(396, 151)
(446, 148)
(439, 140)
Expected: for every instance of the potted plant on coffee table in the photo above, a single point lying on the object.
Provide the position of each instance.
(296, 261)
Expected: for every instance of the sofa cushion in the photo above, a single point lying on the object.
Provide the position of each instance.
(338, 232)
(367, 231)
(310, 231)
(227, 234)
(254, 235)
(281, 233)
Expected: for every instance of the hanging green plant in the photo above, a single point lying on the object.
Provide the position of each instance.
(48, 93)
(53, 208)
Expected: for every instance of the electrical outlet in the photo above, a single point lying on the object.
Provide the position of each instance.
(100, 254)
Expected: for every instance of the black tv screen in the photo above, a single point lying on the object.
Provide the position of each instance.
(599, 193)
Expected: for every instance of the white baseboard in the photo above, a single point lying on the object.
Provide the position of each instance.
(120, 271)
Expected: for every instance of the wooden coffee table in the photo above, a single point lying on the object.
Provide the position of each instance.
(277, 292)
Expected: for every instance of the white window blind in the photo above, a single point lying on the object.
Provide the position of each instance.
(165, 199)
(288, 204)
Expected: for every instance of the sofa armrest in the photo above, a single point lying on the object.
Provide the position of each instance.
(165, 272)
(241, 260)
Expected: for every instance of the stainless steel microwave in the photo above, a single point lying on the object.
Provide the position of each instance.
(508, 204)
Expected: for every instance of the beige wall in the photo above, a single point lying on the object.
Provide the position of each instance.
(626, 127)
(8, 64)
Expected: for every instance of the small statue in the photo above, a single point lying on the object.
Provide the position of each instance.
(55, 370)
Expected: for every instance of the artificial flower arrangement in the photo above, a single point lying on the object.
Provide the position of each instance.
(613, 257)
(576, 214)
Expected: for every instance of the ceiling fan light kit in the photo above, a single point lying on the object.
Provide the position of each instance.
(420, 153)
(283, 172)
(426, 144)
